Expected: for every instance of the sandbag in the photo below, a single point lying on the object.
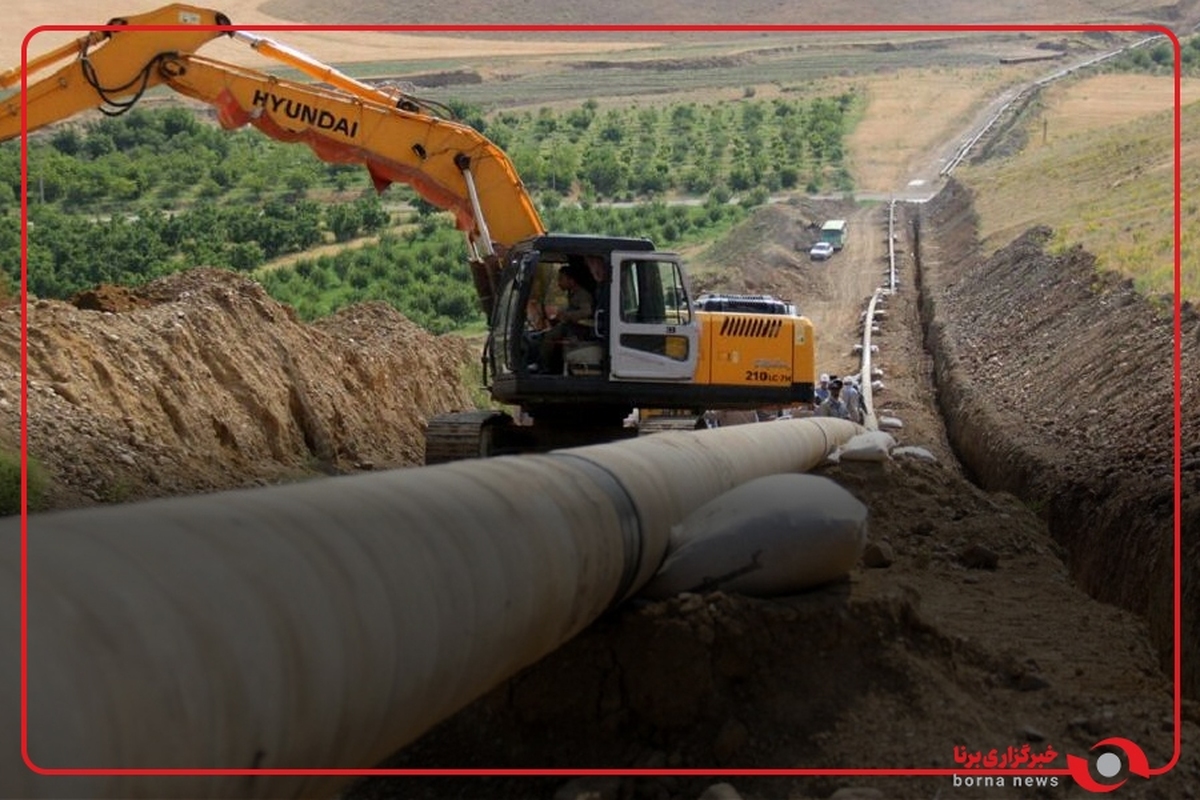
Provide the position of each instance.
(919, 453)
(775, 535)
(869, 446)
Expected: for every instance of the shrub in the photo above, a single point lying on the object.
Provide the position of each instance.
(10, 484)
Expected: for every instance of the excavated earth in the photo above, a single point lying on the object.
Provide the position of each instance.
(1016, 590)
(200, 382)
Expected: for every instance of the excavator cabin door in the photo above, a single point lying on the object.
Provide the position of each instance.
(651, 328)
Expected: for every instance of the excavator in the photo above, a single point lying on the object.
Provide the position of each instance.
(650, 343)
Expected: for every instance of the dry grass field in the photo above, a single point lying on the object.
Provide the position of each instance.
(808, 12)
(910, 113)
(23, 16)
(1106, 100)
(332, 46)
(1098, 169)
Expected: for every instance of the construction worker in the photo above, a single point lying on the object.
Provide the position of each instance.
(822, 390)
(853, 399)
(834, 406)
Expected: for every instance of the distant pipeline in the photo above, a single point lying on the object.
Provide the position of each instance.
(303, 112)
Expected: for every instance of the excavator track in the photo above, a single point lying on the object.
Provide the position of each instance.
(658, 424)
(483, 434)
(466, 434)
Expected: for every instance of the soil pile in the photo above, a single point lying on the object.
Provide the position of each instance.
(200, 381)
(768, 253)
(965, 629)
(1057, 384)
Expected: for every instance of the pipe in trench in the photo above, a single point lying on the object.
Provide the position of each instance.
(327, 624)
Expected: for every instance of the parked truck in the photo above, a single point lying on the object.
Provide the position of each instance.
(834, 232)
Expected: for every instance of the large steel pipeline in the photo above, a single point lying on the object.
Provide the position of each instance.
(327, 624)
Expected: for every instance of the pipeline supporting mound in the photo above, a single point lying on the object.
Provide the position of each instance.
(327, 624)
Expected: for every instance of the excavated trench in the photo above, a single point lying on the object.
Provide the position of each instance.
(878, 669)
(1080, 430)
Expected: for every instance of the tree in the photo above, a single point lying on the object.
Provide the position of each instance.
(581, 118)
(562, 166)
(67, 141)
(604, 171)
(298, 181)
(528, 163)
(374, 216)
(755, 197)
(245, 256)
(344, 220)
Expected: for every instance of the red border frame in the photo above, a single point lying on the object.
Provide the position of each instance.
(612, 28)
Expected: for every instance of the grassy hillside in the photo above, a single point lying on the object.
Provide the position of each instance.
(1107, 187)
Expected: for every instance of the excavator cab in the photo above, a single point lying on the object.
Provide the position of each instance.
(643, 329)
(653, 333)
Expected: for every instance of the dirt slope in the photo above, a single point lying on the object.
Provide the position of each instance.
(1057, 385)
(200, 381)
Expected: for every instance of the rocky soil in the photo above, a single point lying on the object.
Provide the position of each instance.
(973, 620)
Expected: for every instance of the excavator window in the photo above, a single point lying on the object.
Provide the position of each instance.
(507, 327)
(652, 293)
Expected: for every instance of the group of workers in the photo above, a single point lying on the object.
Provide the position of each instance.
(832, 397)
(839, 397)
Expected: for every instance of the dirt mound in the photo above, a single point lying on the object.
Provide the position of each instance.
(1057, 384)
(200, 381)
(430, 80)
(768, 252)
(668, 64)
(110, 298)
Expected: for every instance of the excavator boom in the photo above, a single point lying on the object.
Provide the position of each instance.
(428, 153)
(449, 164)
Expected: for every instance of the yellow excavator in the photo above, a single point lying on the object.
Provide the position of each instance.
(649, 344)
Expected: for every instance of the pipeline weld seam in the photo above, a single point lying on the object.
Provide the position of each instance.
(627, 514)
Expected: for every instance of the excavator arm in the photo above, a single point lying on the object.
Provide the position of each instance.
(449, 164)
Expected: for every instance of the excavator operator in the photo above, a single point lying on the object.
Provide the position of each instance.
(573, 323)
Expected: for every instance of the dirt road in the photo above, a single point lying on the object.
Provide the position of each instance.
(850, 277)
